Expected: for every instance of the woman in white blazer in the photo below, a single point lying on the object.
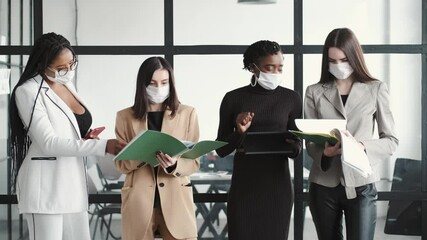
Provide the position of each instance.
(48, 124)
(346, 90)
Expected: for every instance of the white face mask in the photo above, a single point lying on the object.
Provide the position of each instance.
(268, 81)
(158, 94)
(340, 70)
(61, 79)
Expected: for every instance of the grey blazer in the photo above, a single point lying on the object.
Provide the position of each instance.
(367, 103)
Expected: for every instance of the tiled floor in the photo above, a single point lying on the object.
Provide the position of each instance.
(309, 231)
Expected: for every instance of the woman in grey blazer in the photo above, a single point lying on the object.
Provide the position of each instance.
(346, 90)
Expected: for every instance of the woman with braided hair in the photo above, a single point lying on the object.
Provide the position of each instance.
(261, 196)
(49, 141)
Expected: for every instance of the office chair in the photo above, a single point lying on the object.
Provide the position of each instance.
(108, 174)
(104, 212)
(404, 216)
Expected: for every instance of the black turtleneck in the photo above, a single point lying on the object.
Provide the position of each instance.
(260, 196)
(275, 111)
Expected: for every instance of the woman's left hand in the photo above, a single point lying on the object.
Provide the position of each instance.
(348, 134)
(165, 160)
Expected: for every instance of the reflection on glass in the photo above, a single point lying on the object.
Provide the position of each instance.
(383, 22)
(217, 22)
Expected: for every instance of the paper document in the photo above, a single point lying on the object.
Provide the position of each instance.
(320, 125)
(144, 147)
(353, 155)
(333, 130)
(319, 130)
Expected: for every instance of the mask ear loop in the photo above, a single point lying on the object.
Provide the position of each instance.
(254, 78)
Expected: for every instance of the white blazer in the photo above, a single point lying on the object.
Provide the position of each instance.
(52, 178)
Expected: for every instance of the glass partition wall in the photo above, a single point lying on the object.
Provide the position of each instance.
(205, 41)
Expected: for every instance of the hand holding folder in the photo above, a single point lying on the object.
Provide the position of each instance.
(319, 130)
(319, 138)
(144, 147)
(333, 130)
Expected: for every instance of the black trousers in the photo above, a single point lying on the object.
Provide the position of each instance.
(327, 206)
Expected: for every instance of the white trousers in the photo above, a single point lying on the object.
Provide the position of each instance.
(70, 226)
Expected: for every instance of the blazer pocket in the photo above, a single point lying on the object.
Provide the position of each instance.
(44, 158)
(125, 195)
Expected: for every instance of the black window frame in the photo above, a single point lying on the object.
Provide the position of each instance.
(298, 49)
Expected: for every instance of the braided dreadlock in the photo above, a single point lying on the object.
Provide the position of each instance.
(44, 52)
(258, 50)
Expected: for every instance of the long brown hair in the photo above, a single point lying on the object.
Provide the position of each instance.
(345, 40)
(145, 74)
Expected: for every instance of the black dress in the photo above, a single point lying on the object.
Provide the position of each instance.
(261, 194)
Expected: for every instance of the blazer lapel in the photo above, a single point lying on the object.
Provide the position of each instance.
(331, 93)
(356, 94)
(168, 125)
(61, 104)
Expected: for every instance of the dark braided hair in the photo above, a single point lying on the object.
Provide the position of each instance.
(258, 50)
(44, 52)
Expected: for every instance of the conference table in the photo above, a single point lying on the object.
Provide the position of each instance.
(212, 183)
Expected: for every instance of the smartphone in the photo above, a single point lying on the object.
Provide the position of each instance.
(93, 133)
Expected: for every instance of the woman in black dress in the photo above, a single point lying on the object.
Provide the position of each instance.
(261, 194)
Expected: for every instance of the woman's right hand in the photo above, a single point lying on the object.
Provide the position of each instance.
(244, 121)
(114, 146)
(332, 150)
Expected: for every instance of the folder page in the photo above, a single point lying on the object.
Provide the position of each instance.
(144, 147)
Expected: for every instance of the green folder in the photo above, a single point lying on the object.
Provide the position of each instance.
(144, 147)
(319, 138)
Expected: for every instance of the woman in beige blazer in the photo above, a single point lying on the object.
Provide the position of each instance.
(346, 90)
(158, 199)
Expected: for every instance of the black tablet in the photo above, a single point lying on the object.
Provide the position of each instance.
(268, 143)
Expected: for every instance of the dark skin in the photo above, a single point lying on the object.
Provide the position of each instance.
(64, 61)
(268, 64)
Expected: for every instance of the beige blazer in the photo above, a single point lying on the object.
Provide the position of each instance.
(176, 195)
(367, 103)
